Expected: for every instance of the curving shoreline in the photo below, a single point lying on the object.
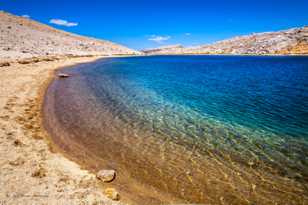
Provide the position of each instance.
(31, 173)
(72, 106)
(32, 169)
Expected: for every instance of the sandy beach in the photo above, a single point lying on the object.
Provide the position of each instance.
(30, 172)
(216, 129)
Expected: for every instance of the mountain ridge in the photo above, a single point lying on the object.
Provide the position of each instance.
(292, 41)
(26, 38)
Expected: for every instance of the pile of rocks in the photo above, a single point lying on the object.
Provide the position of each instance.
(108, 176)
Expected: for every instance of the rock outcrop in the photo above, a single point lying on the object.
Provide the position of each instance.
(288, 42)
(23, 38)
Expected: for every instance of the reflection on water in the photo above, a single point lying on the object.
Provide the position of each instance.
(214, 129)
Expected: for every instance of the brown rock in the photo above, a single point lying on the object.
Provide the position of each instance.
(24, 61)
(106, 175)
(29, 60)
(17, 162)
(111, 193)
(37, 136)
(39, 173)
(17, 142)
(4, 64)
(49, 58)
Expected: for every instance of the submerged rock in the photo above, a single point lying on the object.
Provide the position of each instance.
(111, 193)
(106, 175)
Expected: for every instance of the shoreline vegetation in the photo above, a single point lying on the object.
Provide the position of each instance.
(31, 171)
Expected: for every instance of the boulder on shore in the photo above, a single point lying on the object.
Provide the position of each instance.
(106, 175)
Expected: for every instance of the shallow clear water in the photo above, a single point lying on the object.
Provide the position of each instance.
(203, 129)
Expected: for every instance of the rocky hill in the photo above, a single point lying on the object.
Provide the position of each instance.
(287, 42)
(25, 38)
(171, 49)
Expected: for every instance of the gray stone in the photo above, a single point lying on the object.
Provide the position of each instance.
(106, 175)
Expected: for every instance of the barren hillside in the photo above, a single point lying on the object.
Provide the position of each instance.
(24, 38)
(288, 42)
(170, 49)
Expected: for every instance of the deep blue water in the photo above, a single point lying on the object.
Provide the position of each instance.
(221, 123)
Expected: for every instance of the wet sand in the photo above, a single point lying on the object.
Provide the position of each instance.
(31, 173)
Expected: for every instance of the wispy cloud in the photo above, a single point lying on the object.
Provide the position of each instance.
(25, 16)
(62, 22)
(187, 34)
(159, 39)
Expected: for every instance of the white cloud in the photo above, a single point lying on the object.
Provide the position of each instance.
(159, 39)
(25, 16)
(187, 34)
(61, 22)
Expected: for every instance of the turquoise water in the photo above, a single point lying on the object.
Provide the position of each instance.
(192, 114)
(260, 93)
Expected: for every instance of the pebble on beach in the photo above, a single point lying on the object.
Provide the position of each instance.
(63, 75)
(39, 173)
(106, 175)
(111, 193)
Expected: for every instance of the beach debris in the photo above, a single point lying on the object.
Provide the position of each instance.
(39, 173)
(106, 175)
(111, 193)
(63, 75)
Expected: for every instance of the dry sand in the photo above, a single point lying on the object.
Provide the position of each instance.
(30, 173)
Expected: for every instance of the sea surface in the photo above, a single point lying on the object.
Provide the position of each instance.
(188, 129)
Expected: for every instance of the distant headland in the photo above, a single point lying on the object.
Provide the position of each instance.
(287, 42)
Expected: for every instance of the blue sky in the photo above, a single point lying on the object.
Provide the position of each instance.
(150, 23)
